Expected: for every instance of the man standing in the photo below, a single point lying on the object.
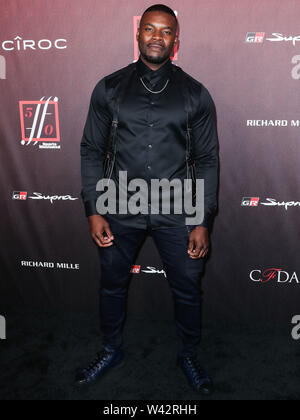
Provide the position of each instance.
(160, 124)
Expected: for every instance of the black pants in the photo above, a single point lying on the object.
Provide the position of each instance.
(183, 274)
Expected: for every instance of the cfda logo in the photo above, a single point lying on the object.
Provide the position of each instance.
(296, 329)
(2, 328)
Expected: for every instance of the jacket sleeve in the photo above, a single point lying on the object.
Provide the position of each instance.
(93, 146)
(204, 138)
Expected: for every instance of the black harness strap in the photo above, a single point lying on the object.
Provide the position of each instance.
(190, 162)
(111, 146)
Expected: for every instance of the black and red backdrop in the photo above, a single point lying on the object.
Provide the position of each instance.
(247, 53)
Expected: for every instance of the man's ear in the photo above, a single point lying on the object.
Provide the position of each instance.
(137, 34)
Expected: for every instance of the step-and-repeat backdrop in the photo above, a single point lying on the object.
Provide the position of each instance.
(247, 53)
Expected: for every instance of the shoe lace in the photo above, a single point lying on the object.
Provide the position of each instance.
(199, 374)
(96, 363)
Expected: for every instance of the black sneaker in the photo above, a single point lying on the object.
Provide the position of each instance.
(196, 375)
(102, 363)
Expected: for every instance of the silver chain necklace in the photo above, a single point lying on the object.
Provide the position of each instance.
(159, 91)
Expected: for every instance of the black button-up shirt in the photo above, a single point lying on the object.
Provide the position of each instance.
(151, 139)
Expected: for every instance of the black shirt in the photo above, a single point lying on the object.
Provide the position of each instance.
(151, 139)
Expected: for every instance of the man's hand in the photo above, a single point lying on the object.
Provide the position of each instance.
(99, 225)
(199, 238)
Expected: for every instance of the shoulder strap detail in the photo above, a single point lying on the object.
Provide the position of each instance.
(190, 163)
(118, 95)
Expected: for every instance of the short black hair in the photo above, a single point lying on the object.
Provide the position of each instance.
(161, 8)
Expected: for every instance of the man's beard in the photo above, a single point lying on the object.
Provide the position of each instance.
(155, 59)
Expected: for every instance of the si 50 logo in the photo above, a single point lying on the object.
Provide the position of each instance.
(40, 123)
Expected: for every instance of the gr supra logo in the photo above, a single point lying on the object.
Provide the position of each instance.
(136, 269)
(276, 275)
(40, 123)
(255, 201)
(17, 195)
(258, 38)
(136, 24)
(250, 201)
(255, 37)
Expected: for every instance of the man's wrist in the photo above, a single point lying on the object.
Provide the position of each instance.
(90, 208)
(200, 227)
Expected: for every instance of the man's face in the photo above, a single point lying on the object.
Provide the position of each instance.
(156, 36)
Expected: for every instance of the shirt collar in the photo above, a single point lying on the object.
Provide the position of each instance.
(153, 76)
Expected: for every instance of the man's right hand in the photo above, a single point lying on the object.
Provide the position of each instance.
(99, 225)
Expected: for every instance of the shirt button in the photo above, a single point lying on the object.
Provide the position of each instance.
(149, 167)
(150, 146)
(151, 125)
(152, 103)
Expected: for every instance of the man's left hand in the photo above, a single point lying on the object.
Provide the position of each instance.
(199, 239)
